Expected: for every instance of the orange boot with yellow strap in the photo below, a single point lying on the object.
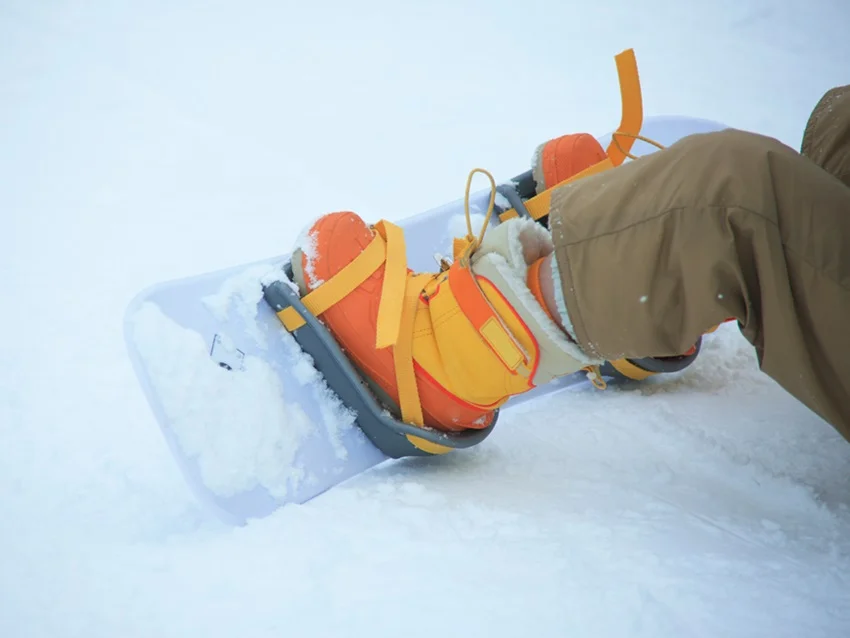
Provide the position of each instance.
(445, 349)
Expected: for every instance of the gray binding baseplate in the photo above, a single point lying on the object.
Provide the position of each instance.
(514, 199)
(387, 433)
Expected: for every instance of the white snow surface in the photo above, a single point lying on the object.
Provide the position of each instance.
(160, 140)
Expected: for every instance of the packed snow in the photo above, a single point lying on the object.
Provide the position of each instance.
(160, 140)
(240, 427)
(251, 421)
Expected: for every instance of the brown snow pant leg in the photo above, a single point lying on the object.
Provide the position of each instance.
(729, 224)
(826, 140)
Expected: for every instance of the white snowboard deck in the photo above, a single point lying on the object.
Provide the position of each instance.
(249, 422)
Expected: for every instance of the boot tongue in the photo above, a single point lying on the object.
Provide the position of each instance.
(519, 242)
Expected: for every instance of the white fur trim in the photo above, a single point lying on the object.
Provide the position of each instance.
(521, 241)
(537, 169)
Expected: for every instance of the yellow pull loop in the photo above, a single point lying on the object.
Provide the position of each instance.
(595, 375)
(392, 290)
(490, 206)
(642, 138)
(472, 243)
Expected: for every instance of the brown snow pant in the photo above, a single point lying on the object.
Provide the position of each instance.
(728, 224)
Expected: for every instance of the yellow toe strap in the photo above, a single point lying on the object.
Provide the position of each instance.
(337, 287)
(393, 289)
(396, 311)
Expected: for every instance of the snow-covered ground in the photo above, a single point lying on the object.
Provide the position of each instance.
(160, 140)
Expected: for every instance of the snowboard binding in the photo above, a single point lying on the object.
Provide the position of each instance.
(527, 197)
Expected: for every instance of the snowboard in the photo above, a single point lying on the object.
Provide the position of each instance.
(251, 422)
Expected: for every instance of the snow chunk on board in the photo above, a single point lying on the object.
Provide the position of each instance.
(241, 296)
(242, 293)
(238, 427)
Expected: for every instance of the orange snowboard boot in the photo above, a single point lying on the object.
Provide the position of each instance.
(444, 349)
(563, 157)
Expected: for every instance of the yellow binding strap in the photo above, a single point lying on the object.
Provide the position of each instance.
(631, 102)
(393, 288)
(338, 286)
(539, 205)
(290, 318)
(630, 370)
(408, 390)
(427, 446)
(631, 122)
